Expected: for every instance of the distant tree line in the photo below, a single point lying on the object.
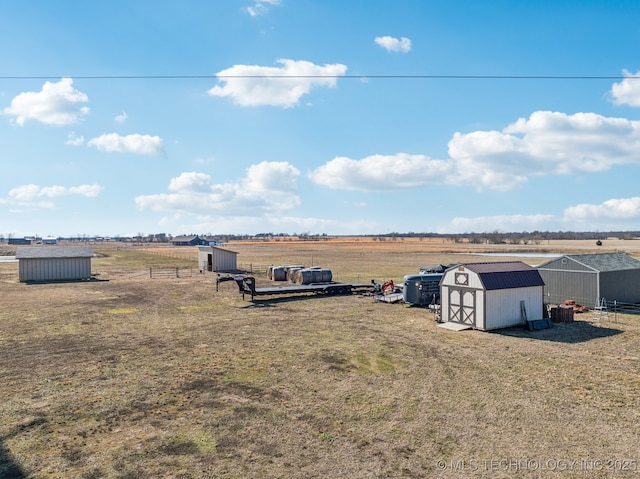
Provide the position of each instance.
(515, 238)
(494, 237)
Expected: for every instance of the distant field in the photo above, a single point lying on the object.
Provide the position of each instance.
(131, 377)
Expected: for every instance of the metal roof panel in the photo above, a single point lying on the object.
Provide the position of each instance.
(29, 252)
(506, 274)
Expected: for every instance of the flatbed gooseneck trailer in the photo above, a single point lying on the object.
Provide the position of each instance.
(247, 285)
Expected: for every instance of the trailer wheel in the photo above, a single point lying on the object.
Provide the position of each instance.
(331, 291)
(347, 290)
(340, 290)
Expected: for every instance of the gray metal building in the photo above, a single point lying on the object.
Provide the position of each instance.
(54, 263)
(587, 278)
(214, 258)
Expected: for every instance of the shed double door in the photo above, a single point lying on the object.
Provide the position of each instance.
(462, 306)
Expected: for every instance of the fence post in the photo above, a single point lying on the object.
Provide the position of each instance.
(177, 274)
(150, 272)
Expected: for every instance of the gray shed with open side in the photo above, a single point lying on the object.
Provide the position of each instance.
(489, 296)
(214, 258)
(54, 263)
(587, 278)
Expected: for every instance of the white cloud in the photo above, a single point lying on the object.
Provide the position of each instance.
(136, 144)
(121, 118)
(74, 140)
(267, 187)
(380, 172)
(610, 215)
(627, 92)
(547, 143)
(31, 192)
(253, 85)
(204, 160)
(25, 192)
(271, 177)
(392, 44)
(261, 7)
(56, 104)
(89, 191)
(617, 208)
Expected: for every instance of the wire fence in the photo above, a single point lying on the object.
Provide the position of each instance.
(253, 268)
(602, 309)
(610, 304)
(172, 252)
(621, 307)
(158, 273)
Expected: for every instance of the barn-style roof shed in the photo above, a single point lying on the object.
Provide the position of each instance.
(587, 278)
(54, 263)
(491, 295)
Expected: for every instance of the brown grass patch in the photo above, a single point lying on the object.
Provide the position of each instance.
(194, 383)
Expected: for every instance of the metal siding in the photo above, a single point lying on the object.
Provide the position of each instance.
(54, 269)
(568, 265)
(622, 286)
(580, 286)
(503, 306)
(223, 260)
(444, 303)
(203, 254)
(481, 310)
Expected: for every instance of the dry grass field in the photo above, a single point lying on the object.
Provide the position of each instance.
(132, 377)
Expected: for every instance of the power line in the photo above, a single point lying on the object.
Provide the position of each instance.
(417, 77)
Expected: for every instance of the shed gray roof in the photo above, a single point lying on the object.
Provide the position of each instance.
(506, 275)
(28, 252)
(185, 238)
(207, 248)
(605, 261)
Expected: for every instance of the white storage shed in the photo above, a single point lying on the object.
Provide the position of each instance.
(489, 296)
(54, 263)
(214, 258)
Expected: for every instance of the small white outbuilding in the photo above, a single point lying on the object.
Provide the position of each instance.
(489, 296)
(54, 263)
(214, 258)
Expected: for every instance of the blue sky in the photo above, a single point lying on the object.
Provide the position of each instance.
(318, 116)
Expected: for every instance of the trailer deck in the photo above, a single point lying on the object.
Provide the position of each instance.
(247, 286)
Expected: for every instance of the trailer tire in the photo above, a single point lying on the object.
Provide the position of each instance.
(331, 291)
